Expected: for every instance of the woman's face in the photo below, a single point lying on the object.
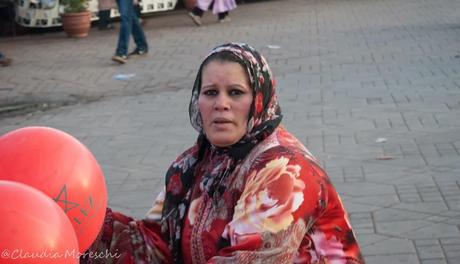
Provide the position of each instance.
(224, 102)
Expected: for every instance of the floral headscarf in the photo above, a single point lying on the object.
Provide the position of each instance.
(264, 117)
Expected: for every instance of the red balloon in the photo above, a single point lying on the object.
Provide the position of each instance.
(57, 164)
(33, 229)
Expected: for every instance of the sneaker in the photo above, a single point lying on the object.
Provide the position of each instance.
(122, 59)
(196, 19)
(142, 22)
(4, 61)
(225, 20)
(137, 52)
(106, 27)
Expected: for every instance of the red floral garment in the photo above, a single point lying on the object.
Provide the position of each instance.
(279, 207)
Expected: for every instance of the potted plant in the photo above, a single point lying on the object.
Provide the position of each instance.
(76, 19)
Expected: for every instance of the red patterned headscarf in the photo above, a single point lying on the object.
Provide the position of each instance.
(264, 117)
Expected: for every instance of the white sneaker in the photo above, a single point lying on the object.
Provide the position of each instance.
(122, 59)
(196, 19)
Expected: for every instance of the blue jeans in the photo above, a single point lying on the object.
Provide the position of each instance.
(129, 23)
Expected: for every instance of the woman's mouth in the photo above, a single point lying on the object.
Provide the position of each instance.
(221, 121)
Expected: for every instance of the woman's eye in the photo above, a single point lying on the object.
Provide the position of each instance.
(236, 92)
(210, 92)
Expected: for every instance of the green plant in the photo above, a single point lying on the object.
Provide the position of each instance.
(74, 6)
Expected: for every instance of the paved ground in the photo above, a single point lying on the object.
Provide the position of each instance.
(372, 88)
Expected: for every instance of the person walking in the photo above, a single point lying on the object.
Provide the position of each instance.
(219, 7)
(129, 24)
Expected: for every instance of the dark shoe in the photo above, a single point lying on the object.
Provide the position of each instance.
(142, 21)
(106, 27)
(4, 61)
(225, 20)
(196, 19)
(137, 52)
(122, 59)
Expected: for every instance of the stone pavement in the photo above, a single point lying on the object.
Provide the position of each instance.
(371, 87)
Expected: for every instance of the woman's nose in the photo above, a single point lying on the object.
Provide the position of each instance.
(222, 102)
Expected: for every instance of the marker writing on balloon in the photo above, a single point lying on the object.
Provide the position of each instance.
(67, 204)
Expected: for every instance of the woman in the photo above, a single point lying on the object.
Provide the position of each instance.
(219, 7)
(246, 192)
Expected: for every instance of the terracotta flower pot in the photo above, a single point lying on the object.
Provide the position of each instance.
(76, 24)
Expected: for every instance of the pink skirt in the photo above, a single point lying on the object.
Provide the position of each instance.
(218, 7)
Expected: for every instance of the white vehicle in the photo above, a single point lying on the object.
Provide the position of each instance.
(45, 13)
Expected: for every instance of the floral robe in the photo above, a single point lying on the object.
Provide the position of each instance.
(280, 207)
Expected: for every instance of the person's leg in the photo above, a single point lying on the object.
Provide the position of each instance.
(139, 36)
(137, 11)
(223, 17)
(125, 7)
(200, 7)
(104, 19)
(222, 8)
(197, 11)
(196, 15)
